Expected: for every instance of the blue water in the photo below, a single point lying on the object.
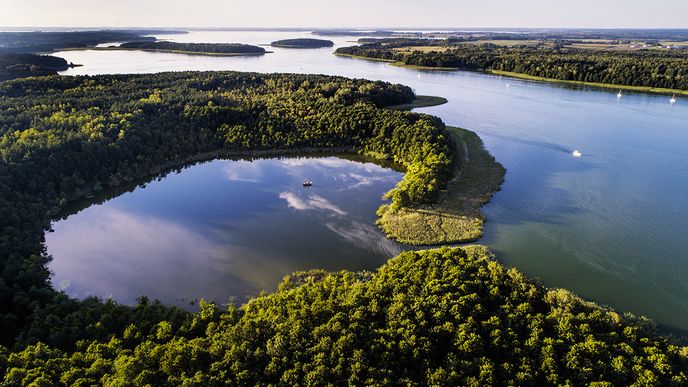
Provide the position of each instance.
(224, 230)
(610, 225)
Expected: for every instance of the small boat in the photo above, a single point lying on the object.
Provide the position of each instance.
(307, 183)
(673, 99)
(577, 153)
(619, 95)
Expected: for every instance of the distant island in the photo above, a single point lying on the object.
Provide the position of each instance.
(223, 49)
(302, 43)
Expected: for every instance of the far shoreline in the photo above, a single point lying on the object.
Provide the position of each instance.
(157, 50)
(639, 89)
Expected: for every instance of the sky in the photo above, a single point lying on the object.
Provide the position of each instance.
(349, 13)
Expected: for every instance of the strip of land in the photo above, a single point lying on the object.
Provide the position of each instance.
(643, 89)
(648, 69)
(184, 52)
(456, 216)
(398, 63)
(421, 101)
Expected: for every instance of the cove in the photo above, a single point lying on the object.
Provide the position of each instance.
(224, 230)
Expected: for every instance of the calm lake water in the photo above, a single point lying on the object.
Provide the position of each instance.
(611, 226)
(225, 229)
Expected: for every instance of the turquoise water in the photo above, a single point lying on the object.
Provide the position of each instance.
(611, 226)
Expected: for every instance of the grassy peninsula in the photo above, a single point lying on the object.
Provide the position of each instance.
(455, 217)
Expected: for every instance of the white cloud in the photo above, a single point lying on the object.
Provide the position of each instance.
(366, 236)
(312, 202)
(243, 171)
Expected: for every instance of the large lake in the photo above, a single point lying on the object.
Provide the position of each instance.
(611, 226)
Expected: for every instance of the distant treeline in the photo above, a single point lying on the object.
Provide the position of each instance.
(217, 48)
(302, 43)
(353, 33)
(648, 68)
(29, 65)
(527, 34)
(37, 41)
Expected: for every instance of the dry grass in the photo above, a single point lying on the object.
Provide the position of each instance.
(456, 217)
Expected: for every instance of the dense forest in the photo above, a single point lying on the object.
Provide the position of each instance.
(302, 43)
(29, 65)
(449, 316)
(648, 68)
(215, 48)
(46, 41)
(66, 138)
(436, 317)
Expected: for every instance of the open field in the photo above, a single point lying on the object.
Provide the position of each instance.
(456, 217)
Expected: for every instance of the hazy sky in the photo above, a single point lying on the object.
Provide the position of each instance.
(349, 13)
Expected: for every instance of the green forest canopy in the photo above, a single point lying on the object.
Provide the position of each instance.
(435, 317)
(647, 68)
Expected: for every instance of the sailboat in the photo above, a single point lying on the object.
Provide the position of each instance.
(673, 99)
(619, 95)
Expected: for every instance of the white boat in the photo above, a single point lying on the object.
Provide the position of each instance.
(307, 183)
(619, 95)
(673, 99)
(577, 153)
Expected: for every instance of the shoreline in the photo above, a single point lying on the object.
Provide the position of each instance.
(456, 215)
(639, 89)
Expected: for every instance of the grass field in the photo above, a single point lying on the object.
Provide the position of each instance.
(456, 217)
(643, 89)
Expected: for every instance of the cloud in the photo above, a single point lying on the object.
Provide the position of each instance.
(328, 162)
(366, 236)
(249, 172)
(312, 202)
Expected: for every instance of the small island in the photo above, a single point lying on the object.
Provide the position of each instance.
(303, 43)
